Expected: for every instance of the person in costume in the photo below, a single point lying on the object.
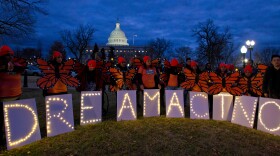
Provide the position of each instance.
(10, 81)
(57, 75)
(90, 78)
(222, 70)
(147, 75)
(173, 75)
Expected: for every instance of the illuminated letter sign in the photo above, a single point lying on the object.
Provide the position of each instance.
(151, 106)
(222, 106)
(126, 105)
(91, 107)
(269, 115)
(21, 123)
(59, 114)
(199, 108)
(244, 110)
(174, 103)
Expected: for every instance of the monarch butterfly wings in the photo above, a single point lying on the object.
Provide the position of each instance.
(121, 78)
(118, 77)
(253, 85)
(219, 84)
(129, 75)
(189, 81)
(195, 82)
(50, 77)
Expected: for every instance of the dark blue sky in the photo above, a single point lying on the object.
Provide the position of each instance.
(172, 19)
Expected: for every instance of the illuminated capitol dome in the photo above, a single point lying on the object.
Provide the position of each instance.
(117, 37)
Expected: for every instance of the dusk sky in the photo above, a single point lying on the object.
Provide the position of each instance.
(171, 19)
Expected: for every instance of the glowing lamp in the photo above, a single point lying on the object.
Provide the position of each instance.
(244, 111)
(126, 105)
(59, 114)
(222, 106)
(269, 115)
(91, 107)
(174, 103)
(21, 123)
(151, 106)
(199, 108)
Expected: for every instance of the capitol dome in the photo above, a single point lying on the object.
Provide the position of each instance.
(117, 37)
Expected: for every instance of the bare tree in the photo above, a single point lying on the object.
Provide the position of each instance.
(17, 17)
(78, 40)
(158, 47)
(182, 53)
(264, 56)
(211, 43)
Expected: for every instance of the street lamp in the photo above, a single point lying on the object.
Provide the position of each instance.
(243, 51)
(250, 46)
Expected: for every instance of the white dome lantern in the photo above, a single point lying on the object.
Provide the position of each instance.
(117, 37)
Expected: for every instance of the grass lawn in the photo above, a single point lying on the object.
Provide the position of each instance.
(147, 136)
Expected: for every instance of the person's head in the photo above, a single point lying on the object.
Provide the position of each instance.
(208, 66)
(57, 56)
(275, 61)
(193, 64)
(91, 65)
(147, 60)
(188, 61)
(7, 52)
(230, 67)
(121, 61)
(248, 70)
(223, 67)
(250, 62)
(174, 62)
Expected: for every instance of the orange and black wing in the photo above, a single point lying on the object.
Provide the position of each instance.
(20, 62)
(45, 66)
(243, 83)
(203, 80)
(262, 68)
(117, 76)
(216, 84)
(65, 76)
(189, 82)
(256, 84)
(79, 68)
(129, 75)
(49, 79)
(229, 81)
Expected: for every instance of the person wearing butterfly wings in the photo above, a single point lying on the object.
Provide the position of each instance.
(271, 81)
(121, 76)
(89, 76)
(10, 80)
(56, 75)
(251, 84)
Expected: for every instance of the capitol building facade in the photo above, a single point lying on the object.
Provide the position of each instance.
(118, 42)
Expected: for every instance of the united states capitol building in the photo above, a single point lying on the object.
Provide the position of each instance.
(117, 42)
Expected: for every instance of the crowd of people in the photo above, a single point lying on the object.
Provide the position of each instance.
(148, 74)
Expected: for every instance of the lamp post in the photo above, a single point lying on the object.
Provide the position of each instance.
(243, 51)
(250, 46)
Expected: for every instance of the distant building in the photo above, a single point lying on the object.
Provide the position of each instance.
(117, 41)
